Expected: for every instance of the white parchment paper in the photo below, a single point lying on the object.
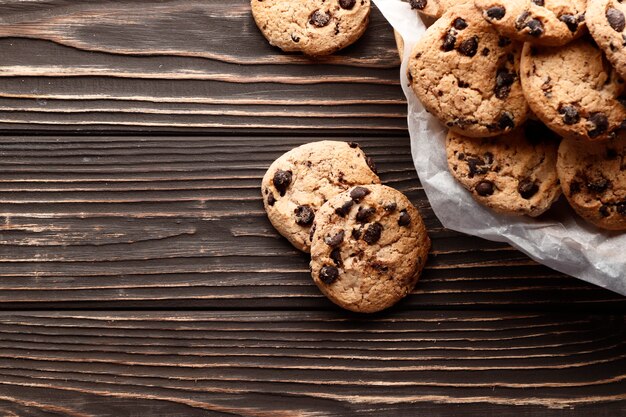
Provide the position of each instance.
(559, 239)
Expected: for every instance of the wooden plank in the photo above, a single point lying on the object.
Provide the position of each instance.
(113, 221)
(310, 364)
(184, 65)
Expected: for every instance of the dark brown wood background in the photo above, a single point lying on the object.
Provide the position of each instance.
(140, 276)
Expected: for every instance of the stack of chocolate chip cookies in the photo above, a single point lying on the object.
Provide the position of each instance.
(534, 97)
(368, 243)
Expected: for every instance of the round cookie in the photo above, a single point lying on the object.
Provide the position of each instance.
(435, 8)
(606, 20)
(369, 248)
(574, 90)
(303, 179)
(467, 75)
(542, 22)
(593, 177)
(513, 174)
(314, 27)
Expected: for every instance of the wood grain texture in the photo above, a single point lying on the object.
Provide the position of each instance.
(311, 364)
(188, 65)
(178, 222)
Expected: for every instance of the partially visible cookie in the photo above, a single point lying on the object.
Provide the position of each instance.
(369, 248)
(467, 75)
(314, 27)
(593, 177)
(607, 23)
(513, 174)
(435, 8)
(399, 44)
(574, 90)
(303, 179)
(543, 22)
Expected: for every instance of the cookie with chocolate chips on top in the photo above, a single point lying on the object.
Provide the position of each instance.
(467, 75)
(369, 248)
(512, 174)
(435, 8)
(303, 179)
(607, 23)
(574, 90)
(313, 27)
(593, 177)
(542, 22)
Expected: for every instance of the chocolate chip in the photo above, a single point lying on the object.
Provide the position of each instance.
(469, 46)
(459, 24)
(605, 211)
(271, 199)
(485, 52)
(538, 2)
(371, 164)
(503, 41)
(358, 193)
(571, 22)
(460, 156)
(598, 186)
(504, 81)
(372, 234)
(621, 208)
(521, 20)
(574, 187)
(344, 209)
(365, 214)
(312, 231)
(353, 145)
(347, 4)
(448, 42)
(356, 234)
(527, 188)
(404, 219)
(335, 240)
(319, 19)
(496, 12)
(335, 255)
(391, 207)
(600, 124)
(506, 121)
(304, 215)
(295, 38)
(281, 181)
(476, 166)
(484, 188)
(616, 19)
(418, 4)
(535, 27)
(328, 274)
(570, 114)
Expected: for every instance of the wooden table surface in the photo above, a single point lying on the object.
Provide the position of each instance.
(139, 275)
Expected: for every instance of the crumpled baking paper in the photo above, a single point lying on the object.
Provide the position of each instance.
(559, 239)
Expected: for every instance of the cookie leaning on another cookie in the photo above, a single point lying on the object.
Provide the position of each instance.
(369, 248)
(607, 23)
(542, 22)
(435, 8)
(512, 174)
(573, 90)
(314, 27)
(467, 75)
(303, 179)
(593, 177)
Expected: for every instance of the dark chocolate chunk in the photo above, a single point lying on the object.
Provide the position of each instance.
(496, 12)
(448, 42)
(356, 233)
(460, 156)
(335, 240)
(347, 4)
(271, 199)
(484, 188)
(476, 166)
(304, 215)
(600, 124)
(485, 52)
(365, 214)
(371, 164)
(504, 81)
(605, 211)
(527, 188)
(335, 255)
(616, 19)
(295, 38)
(599, 185)
(570, 114)
(459, 24)
(328, 274)
(281, 181)
(571, 22)
(344, 209)
(418, 4)
(469, 46)
(391, 207)
(520, 22)
(621, 208)
(404, 219)
(319, 19)
(535, 27)
(372, 234)
(506, 121)
(358, 193)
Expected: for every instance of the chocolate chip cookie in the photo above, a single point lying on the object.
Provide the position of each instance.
(607, 23)
(513, 174)
(304, 178)
(574, 90)
(542, 22)
(467, 75)
(593, 177)
(368, 249)
(435, 8)
(314, 27)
